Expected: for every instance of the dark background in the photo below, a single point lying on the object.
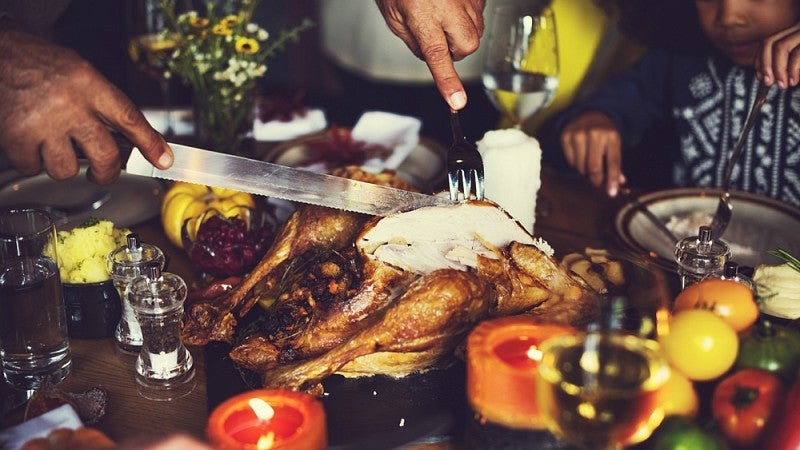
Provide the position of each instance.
(100, 30)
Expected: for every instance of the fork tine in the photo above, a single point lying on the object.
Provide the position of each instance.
(452, 178)
(479, 184)
(466, 181)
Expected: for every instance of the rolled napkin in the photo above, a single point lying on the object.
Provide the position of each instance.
(301, 124)
(182, 121)
(394, 131)
(512, 172)
(62, 417)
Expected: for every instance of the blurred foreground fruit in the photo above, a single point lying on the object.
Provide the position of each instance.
(679, 397)
(682, 433)
(700, 344)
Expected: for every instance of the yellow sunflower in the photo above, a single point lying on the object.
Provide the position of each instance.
(221, 30)
(246, 45)
(197, 21)
(230, 21)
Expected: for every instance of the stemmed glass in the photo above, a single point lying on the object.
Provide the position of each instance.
(520, 70)
(601, 390)
(150, 48)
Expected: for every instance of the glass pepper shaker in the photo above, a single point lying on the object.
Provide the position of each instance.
(164, 367)
(125, 264)
(700, 256)
(731, 272)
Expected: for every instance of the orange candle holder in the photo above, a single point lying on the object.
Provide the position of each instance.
(268, 419)
(502, 360)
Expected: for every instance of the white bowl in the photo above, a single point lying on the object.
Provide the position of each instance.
(758, 224)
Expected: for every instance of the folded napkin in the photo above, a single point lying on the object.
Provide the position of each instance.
(310, 121)
(62, 417)
(394, 131)
(182, 120)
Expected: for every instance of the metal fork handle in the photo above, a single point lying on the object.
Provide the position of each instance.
(455, 125)
(761, 97)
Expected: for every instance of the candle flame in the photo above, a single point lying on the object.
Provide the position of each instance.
(266, 441)
(534, 353)
(261, 408)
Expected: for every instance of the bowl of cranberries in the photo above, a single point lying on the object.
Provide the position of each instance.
(222, 246)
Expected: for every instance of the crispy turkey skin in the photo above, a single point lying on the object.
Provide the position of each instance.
(346, 293)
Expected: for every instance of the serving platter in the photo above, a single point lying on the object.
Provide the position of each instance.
(126, 202)
(758, 224)
(380, 412)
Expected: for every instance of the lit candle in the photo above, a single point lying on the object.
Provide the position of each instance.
(502, 357)
(268, 419)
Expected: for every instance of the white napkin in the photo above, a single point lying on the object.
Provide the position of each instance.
(394, 131)
(62, 417)
(182, 120)
(277, 130)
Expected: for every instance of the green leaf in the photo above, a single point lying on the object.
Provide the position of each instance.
(787, 258)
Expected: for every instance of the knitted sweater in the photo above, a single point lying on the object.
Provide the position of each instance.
(708, 99)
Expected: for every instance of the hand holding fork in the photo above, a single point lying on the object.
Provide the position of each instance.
(464, 163)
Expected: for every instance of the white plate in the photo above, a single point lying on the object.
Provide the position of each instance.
(424, 167)
(758, 224)
(132, 199)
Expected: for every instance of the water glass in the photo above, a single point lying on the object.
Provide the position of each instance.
(34, 343)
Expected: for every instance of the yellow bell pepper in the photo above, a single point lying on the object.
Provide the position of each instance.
(188, 203)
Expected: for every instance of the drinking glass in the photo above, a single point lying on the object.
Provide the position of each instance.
(600, 390)
(150, 48)
(520, 70)
(34, 344)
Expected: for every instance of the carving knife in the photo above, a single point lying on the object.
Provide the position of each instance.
(273, 180)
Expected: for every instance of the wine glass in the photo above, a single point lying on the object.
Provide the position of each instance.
(150, 49)
(601, 390)
(520, 70)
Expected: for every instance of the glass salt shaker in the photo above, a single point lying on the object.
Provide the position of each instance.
(700, 256)
(164, 367)
(125, 264)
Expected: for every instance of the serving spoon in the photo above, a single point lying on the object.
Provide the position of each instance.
(722, 216)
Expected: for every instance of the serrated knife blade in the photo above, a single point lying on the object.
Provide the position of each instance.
(273, 180)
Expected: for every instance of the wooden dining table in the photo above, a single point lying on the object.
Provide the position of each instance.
(571, 215)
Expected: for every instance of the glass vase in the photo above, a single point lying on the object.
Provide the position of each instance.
(223, 119)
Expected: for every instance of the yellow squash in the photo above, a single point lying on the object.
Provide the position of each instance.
(184, 203)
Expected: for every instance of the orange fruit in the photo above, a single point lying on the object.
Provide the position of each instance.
(729, 299)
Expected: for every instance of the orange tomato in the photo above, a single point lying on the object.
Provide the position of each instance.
(729, 299)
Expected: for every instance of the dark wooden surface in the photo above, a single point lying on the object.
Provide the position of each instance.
(572, 216)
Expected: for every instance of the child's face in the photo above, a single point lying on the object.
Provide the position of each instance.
(736, 27)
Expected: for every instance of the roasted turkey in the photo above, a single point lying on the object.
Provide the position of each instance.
(357, 295)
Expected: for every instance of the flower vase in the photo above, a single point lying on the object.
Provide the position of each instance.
(223, 120)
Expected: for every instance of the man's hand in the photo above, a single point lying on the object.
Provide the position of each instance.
(52, 99)
(592, 145)
(439, 32)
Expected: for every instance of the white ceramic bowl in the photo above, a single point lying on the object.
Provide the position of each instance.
(759, 224)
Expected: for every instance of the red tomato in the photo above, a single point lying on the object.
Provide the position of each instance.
(783, 432)
(743, 402)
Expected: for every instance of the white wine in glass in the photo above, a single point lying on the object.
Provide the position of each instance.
(601, 390)
(520, 70)
(150, 49)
